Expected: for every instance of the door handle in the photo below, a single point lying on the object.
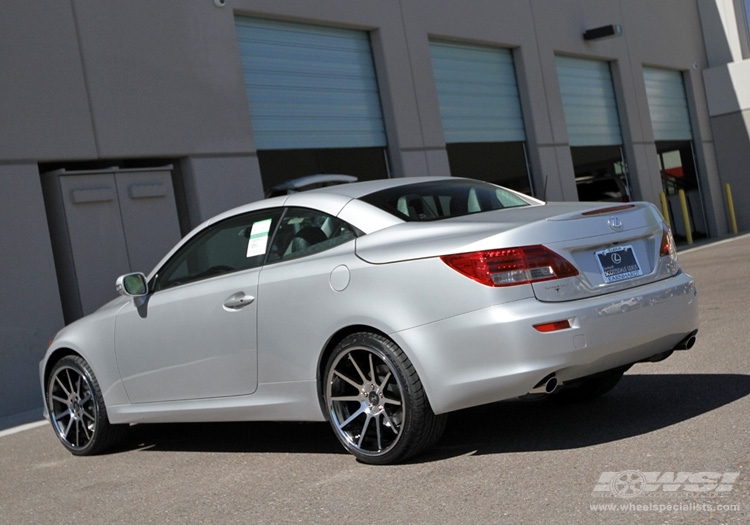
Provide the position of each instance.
(238, 301)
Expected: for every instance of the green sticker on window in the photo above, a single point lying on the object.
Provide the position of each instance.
(258, 238)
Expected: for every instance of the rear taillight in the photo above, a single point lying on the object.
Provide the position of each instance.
(667, 248)
(511, 266)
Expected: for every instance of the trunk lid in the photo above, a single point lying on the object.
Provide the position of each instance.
(613, 247)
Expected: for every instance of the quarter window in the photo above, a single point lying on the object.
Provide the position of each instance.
(304, 232)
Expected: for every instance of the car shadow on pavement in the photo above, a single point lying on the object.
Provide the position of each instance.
(637, 405)
(266, 437)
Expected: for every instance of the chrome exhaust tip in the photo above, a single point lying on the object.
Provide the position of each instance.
(546, 386)
(687, 343)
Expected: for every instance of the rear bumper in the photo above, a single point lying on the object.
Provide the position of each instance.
(495, 353)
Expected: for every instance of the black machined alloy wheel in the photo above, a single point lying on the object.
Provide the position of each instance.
(76, 408)
(366, 400)
(375, 401)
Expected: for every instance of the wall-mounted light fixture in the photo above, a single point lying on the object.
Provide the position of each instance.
(602, 32)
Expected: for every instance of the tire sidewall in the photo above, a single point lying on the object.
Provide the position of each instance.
(80, 366)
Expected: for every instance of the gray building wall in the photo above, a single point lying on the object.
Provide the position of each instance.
(30, 311)
(118, 82)
(727, 87)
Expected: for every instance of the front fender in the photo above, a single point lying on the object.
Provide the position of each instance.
(92, 338)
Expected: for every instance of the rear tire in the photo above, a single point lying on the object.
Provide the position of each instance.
(375, 401)
(76, 409)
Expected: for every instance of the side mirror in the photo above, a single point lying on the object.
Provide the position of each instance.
(132, 285)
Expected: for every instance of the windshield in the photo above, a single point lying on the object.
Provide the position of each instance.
(429, 201)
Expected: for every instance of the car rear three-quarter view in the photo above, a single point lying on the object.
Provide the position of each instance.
(379, 306)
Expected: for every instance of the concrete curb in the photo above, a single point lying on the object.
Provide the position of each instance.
(19, 422)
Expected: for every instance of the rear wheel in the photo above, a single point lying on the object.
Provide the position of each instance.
(588, 388)
(375, 401)
(76, 409)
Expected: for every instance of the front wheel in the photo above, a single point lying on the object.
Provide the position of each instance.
(76, 408)
(375, 401)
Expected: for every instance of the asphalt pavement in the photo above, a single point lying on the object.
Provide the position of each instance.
(670, 444)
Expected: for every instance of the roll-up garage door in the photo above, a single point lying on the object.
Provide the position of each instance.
(667, 104)
(477, 92)
(309, 86)
(588, 102)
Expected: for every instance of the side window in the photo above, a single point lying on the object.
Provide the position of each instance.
(303, 232)
(232, 245)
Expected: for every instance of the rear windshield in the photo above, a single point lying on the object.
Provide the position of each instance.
(429, 201)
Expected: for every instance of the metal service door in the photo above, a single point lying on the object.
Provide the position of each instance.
(105, 223)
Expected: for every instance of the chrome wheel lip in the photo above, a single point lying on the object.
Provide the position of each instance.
(376, 402)
(72, 407)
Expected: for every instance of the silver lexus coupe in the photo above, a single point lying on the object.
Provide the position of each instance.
(378, 306)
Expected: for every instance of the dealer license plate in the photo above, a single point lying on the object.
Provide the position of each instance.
(618, 263)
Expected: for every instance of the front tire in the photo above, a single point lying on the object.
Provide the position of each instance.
(76, 409)
(375, 401)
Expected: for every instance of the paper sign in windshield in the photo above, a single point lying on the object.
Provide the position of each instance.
(258, 238)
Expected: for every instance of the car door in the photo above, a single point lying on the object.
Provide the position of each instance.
(301, 284)
(194, 336)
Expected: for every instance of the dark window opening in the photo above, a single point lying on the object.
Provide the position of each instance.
(678, 172)
(677, 166)
(278, 166)
(502, 163)
(601, 174)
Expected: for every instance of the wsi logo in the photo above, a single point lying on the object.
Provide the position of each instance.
(632, 483)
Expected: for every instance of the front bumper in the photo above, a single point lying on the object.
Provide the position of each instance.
(496, 353)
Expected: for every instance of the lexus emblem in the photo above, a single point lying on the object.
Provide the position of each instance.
(615, 223)
(616, 258)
